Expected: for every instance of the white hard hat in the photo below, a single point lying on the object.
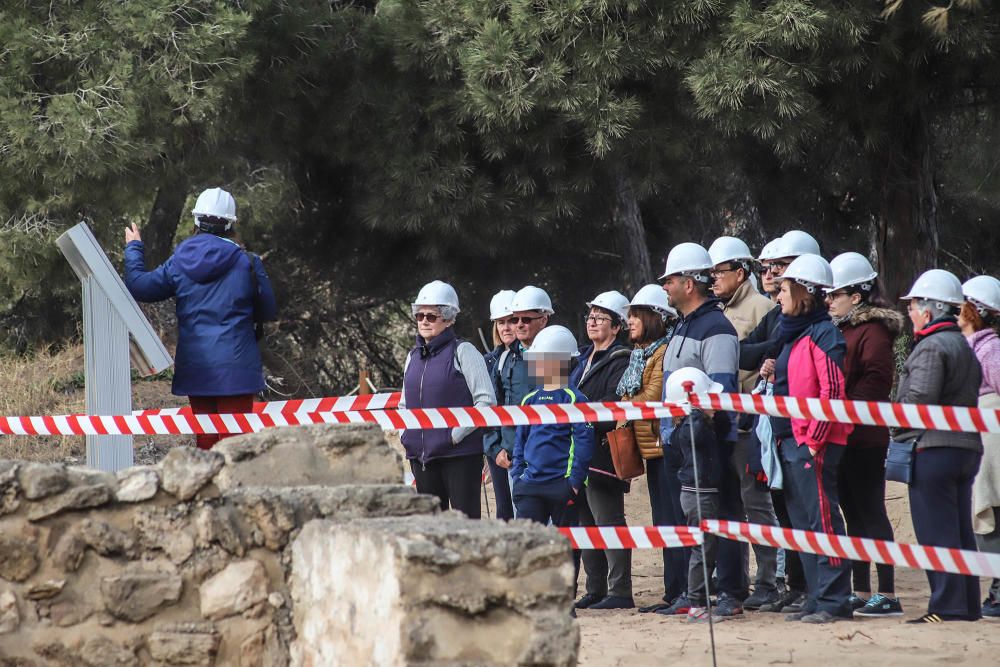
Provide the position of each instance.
(500, 304)
(937, 285)
(796, 243)
(437, 293)
(653, 296)
(614, 301)
(983, 292)
(810, 271)
(770, 250)
(675, 392)
(687, 259)
(851, 268)
(217, 203)
(554, 342)
(531, 298)
(729, 249)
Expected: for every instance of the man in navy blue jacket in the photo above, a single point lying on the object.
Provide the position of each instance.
(221, 292)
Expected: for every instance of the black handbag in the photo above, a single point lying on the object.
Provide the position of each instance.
(899, 461)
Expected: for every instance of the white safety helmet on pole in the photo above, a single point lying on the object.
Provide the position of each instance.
(797, 243)
(215, 203)
(439, 294)
(554, 342)
(675, 390)
(770, 250)
(653, 297)
(983, 292)
(613, 301)
(811, 271)
(730, 249)
(688, 259)
(500, 304)
(531, 298)
(937, 285)
(851, 269)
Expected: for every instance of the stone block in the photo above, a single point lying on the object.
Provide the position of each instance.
(432, 590)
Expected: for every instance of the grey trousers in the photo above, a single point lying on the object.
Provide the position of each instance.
(759, 509)
(608, 572)
(697, 591)
(990, 543)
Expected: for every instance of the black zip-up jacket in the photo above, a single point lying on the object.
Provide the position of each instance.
(761, 343)
(601, 384)
(708, 433)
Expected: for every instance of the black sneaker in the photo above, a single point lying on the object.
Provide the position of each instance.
(880, 606)
(795, 606)
(588, 600)
(728, 606)
(785, 599)
(820, 618)
(680, 607)
(759, 599)
(857, 602)
(991, 609)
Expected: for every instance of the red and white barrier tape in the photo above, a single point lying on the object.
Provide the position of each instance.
(916, 556)
(936, 417)
(503, 415)
(938, 559)
(632, 537)
(305, 405)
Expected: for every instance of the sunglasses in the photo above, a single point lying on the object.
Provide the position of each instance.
(430, 317)
(775, 267)
(525, 320)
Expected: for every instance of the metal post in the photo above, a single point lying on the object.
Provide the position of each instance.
(107, 373)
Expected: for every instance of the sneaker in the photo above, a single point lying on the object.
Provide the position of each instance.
(652, 608)
(588, 600)
(728, 606)
(991, 609)
(857, 602)
(701, 615)
(614, 602)
(880, 605)
(805, 609)
(759, 599)
(679, 607)
(785, 599)
(820, 618)
(795, 606)
(927, 618)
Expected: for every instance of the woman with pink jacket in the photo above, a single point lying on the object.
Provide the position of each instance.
(810, 365)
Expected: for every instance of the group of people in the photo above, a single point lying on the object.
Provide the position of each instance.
(785, 322)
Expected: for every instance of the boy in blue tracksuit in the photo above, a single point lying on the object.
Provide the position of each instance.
(551, 460)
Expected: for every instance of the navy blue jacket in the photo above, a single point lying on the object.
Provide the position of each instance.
(514, 383)
(546, 452)
(491, 436)
(708, 437)
(217, 306)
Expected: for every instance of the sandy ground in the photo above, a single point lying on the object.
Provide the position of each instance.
(626, 637)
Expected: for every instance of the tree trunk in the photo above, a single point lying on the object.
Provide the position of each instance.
(158, 234)
(627, 221)
(906, 232)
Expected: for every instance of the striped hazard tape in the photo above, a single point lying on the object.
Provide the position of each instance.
(388, 401)
(916, 556)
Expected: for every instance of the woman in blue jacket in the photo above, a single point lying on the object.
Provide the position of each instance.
(221, 291)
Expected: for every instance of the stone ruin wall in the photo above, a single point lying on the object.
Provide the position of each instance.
(291, 546)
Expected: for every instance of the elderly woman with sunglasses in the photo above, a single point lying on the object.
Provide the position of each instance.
(443, 371)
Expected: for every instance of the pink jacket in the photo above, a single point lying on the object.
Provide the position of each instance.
(986, 344)
(814, 372)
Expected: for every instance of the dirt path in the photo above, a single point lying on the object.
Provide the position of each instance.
(628, 638)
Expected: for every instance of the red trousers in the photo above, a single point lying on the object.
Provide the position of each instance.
(218, 405)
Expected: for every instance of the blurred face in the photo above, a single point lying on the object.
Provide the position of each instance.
(601, 329)
(919, 318)
(549, 371)
(771, 272)
(430, 324)
(636, 329)
(505, 329)
(841, 302)
(728, 277)
(527, 324)
(785, 298)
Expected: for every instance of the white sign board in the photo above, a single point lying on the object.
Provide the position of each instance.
(114, 331)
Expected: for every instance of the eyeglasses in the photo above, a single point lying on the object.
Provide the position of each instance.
(430, 317)
(834, 295)
(775, 267)
(596, 319)
(525, 320)
(715, 273)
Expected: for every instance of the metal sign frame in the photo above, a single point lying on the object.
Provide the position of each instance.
(115, 332)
